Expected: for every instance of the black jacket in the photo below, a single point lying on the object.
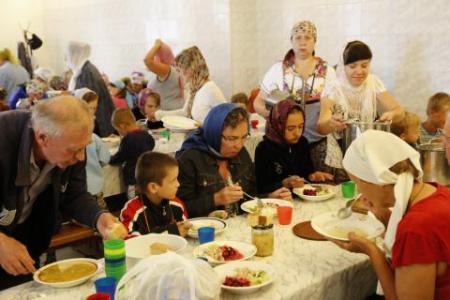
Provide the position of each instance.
(66, 194)
(275, 162)
(199, 179)
(90, 78)
(132, 145)
(140, 210)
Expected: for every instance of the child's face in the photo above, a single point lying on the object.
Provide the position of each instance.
(411, 135)
(137, 87)
(113, 90)
(169, 187)
(438, 118)
(150, 107)
(294, 128)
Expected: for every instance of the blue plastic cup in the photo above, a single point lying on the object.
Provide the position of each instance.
(206, 234)
(106, 285)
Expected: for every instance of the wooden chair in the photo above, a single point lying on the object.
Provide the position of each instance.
(69, 234)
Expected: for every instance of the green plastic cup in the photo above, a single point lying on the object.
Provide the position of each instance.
(348, 189)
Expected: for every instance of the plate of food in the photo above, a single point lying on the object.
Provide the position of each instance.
(220, 252)
(315, 192)
(67, 273)
(153, 244)
(179, 123)
(329, 225)
(245, 277)
(269, 208)
(218, 224)
(220, 214)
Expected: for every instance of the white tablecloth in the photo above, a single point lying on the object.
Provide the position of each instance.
(305, 269)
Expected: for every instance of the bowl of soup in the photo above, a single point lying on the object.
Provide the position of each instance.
(67, 273)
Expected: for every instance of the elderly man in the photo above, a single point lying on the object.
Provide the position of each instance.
(447, 137)
(42, 175)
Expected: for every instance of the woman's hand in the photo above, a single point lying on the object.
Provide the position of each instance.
(183, 228)
(293, 181)
(229, 194)
(157, 44)
(110, 228)
(387, 116)
(356, 244)
(281, 193)
(336, 122)
(14, 256)
(320, 177)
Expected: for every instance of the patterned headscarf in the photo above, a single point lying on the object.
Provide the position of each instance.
(143, 95)
(192, 60)
(137, 77)
(306, 27)
(276, 123)
(36, 86)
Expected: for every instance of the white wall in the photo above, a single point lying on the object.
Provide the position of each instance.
(242, 38)
(409, 40)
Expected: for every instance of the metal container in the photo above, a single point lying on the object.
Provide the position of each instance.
(355, 128)
(434, 163)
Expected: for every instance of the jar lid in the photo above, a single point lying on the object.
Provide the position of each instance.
(262, 227)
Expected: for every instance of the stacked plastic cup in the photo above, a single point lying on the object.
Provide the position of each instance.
(115, 261)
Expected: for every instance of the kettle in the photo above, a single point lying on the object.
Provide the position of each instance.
(355, 128)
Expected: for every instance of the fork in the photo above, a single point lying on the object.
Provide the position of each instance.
(258, 200)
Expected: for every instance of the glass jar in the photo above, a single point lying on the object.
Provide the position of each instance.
(263, 239)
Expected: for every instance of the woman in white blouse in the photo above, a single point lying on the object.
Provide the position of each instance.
(201, 93)
(357, 94)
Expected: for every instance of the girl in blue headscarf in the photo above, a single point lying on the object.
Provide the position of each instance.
(215, 167)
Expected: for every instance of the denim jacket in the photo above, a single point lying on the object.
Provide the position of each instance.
(199, 179)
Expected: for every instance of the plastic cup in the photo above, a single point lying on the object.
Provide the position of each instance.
(99, 296)
(348, 189)
(106, 285)
(284, 215)
(254, 123)
(206, 234)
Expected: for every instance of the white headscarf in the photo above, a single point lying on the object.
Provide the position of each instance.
(169, 276)
(77, 54)
(358, 101)
(43, 73)
(79, 93)
(369, 158)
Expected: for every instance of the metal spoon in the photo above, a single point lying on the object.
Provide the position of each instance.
(345, 212)
(259, 202)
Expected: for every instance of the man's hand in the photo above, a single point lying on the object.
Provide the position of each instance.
(110, 228)
(14, 256)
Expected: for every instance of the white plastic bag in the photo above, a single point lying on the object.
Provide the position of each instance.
(169, 276)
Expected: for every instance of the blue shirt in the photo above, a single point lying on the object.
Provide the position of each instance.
(11, 76)
(97, 155)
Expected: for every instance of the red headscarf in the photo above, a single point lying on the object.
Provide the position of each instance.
(276, 123)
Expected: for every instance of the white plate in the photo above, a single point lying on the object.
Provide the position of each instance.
(218, 224)
(331, 194)
(64, 264)
(329, 225)
(139, 247)
(179, 123)
(250, 206)
(229, 270)
(247, 250)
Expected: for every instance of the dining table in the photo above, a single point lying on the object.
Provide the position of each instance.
(305, 269)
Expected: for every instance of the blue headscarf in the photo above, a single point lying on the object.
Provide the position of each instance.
(208, 138)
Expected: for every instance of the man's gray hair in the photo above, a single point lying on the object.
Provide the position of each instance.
(54, 116)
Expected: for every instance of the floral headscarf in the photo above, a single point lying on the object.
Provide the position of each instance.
(306, 27)
(276, 123)
(192, 59)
